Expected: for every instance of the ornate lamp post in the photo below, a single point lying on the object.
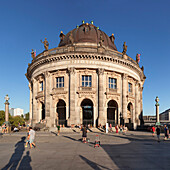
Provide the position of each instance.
(6, 108)
(157, 110)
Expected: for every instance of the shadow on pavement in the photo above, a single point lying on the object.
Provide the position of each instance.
(16, 156)
(143, 152)
(25, 163)
(91, 144)
(93, 164)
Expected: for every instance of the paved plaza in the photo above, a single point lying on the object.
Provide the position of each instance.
(135, 150)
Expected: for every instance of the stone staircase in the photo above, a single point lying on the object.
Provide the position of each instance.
(75, 130)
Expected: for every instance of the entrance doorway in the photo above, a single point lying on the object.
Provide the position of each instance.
(61, 110)
(87, 108)
(112, 112)
(129, 112)
(129, 123)
(43, 111)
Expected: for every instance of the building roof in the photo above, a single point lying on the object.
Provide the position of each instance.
(87, 33)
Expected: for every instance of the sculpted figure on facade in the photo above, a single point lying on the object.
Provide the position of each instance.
(100, 71)
(71, 39)
(33, 54)
(112, 38)
(124, 48)
(71, 70)
(46, 44)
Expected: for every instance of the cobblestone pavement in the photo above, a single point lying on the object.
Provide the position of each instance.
(135, 150)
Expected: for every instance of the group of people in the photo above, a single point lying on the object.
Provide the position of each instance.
(122, 129)
(158, 132)
(30, 138)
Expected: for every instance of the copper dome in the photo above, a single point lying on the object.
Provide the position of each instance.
(87, 33)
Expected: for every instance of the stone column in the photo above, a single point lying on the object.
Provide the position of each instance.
(136, 104)
(31, 102)
(157, 110)
(34, 114)
(124, 97)
(47, 98)
(6, 108)
(73, 119)
(141, 107)
(101, 119)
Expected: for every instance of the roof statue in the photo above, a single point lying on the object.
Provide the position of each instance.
(46, 44)
(124, 48)
(112, 38)
(61, 36)
(33, 54)
(137, 58)
(71, 40)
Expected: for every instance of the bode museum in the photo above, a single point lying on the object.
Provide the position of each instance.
(85, 80)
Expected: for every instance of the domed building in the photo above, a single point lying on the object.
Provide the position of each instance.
(85, 80)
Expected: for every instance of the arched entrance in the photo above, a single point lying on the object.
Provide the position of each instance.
(129, 115)
(129, 112)
(42, 111)
(61, 113)
(112, 112)
(87, 111)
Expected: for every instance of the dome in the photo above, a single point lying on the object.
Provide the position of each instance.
(87, 33)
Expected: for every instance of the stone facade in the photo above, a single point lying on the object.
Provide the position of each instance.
(73, 100)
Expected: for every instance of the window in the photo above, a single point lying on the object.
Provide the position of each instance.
(41, 86)
(112, 83)
(130, 87)
(86, 81)
(59, 82)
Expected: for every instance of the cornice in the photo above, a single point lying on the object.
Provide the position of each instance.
(54, 55)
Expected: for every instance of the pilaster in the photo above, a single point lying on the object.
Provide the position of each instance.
(124, 97)
(101, 119)
(35, 104)
(72, 90)
(31, 102)
(47, 98)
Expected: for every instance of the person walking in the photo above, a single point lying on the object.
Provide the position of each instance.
(166, 130)
(117, 128)
(158, 133)
(31, 137)
(110, 127)
(153, 131)
(58, 127)
(121, 129)
(84, 133)
(28, 139)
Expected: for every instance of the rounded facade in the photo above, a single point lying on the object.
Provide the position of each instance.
(85, 80)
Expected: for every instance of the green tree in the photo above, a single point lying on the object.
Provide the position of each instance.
(15, 120)
(27, 116)
(2, 117)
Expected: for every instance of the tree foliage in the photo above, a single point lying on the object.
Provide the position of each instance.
(2, 117)
(27, 116)
(14, 120)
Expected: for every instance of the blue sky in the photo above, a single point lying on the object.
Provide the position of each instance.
(143, 24)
